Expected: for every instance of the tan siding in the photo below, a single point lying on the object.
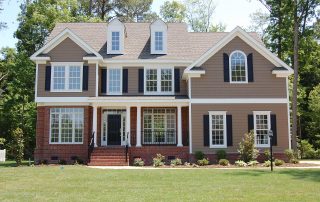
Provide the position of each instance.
(265, 85)
(239, 114)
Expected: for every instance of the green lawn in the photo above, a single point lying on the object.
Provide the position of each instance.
(79, 183)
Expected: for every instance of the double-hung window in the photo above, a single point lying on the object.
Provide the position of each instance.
(159, 80)
(115, 41)
(262, 125)
(158, 41)
(114, 81)
(238, 67)
(66, 77)
(217, 128)
(66, 125)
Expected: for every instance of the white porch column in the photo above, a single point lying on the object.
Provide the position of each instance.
(179, 127)
(128, 125)
(138, 144)
(94, 124)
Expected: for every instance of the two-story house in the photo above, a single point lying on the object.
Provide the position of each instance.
(156, 88)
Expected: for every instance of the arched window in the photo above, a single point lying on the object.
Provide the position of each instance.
(238, 67)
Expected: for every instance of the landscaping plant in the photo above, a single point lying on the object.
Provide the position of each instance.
(176, 162)
(253, 163)
(17, 145)
(224, 162)
(240, 163)
(138, 162)
(221, 154)
(247, 149)
(158, 160)
(199, 155)
(203, 162)
(278, 162)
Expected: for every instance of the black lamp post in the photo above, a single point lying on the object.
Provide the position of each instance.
(270, 133)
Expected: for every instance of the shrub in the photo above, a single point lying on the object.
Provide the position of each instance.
(221, 154)
(223, 162)
(138, 162)
(199, 155)
(289, 154)
(267, 154)
(187, 164)
(310, 154)
(17, 145)
(203, 162)
(62, 162)
(295, 161)
(176, 162)
(247, 149)
(278, 162)
(78, 161)
(306, 149)
(2, 141)
(158, 160)
(240, 163)
(253, 163)
(267, 163)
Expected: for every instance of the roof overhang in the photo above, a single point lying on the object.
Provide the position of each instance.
(66, 33)
(238, 32)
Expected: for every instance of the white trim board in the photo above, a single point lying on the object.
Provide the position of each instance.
(238, 101)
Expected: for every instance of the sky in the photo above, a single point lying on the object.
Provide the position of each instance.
(227, 12)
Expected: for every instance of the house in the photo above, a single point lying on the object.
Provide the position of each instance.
(156, 88)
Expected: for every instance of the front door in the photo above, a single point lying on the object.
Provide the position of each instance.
(114, 129)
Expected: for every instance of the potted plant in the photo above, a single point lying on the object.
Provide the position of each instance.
(2, 150)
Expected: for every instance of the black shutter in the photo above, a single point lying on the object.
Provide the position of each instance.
(250, 67)
(103, 80)
(85, 78)
(226, 67)
(125, 80)
(141, 80)
(48, 78)
(177, 80)
(205, 130)
(274, 129)
(229, 130)
(250, 122)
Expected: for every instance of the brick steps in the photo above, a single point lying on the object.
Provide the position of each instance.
(108, 156)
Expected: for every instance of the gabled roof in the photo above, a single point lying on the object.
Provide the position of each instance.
(66, 33)
(238, 32)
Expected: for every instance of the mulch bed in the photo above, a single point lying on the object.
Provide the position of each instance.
(234, 166)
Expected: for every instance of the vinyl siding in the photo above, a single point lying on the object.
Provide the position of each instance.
(212, 85)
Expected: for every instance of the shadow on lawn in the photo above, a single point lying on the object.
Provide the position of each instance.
(8, 164)
(301, 174)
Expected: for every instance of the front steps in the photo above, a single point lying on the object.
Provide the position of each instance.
(108, 156)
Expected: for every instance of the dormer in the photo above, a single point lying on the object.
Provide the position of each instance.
(159, 35)
(115, 34)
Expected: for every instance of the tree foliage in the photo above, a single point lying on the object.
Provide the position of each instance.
(2, 24)
(173, 11)
(133, 10)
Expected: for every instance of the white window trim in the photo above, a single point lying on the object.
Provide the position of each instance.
(115, 26)
(268, 113)
(108, 80)
(224, 113)
(246, 68)
(66, 74)
(73, 130)
(159, 92)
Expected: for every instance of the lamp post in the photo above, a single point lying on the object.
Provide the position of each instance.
(270, 133)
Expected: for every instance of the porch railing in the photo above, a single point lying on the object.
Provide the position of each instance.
(91, 145)
(158, 137)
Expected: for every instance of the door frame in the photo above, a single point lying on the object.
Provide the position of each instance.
(104, 125)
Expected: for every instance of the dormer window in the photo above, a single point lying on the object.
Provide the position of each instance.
(115, 37)
(158, 33)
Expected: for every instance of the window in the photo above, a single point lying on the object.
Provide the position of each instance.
(66, 125)
(159, 126)
(158, 41)
(218, 135)
(114, 81)
(159, 80)
(66, 77)
(115, 41)
(261, 127)
(238, 67)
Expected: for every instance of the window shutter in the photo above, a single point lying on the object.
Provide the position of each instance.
(125, 80)
(226, 67)
(141, 80)
(177, 80)
(250, 67)
(273, 118)
(229, 130)
(85, 78)
(48, 78)
(103, 80)
(250, 122)
(205, 130)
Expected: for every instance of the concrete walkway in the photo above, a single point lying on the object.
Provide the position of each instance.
(316, 162)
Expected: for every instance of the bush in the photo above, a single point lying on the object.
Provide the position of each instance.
(17, 145)
(306, 149)
(78, 161)
(294, 161)
(221, 154)
(203, 162)
(278, 162)
(253, 163)
(158, 160)
(240, 163)
(247, 149)
(289, 154)
(199, 155)
(176, 162)
(62, 162)
(267, 154)
(2, 141)
(310, 154)
(223, 162)
(138, 162)
(267, 163)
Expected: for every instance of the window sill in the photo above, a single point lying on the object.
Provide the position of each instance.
(65, 143)
(242, 82)
(218, 147)
(262, 146)
(66, 91)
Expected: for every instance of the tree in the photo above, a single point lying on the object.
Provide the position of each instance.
(173, 11)
(2, 24)
(259, 22)
(17, 146)
(314, 122)
(132, 10)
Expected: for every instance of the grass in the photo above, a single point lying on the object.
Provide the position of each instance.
(79, 183)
